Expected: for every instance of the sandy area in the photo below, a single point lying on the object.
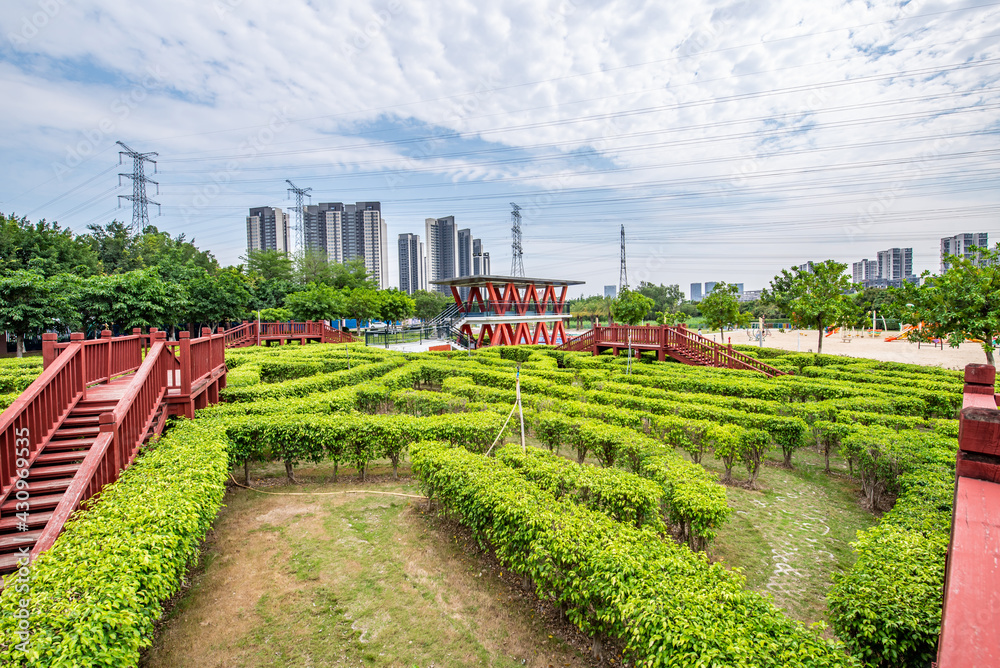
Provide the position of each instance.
(877, 348)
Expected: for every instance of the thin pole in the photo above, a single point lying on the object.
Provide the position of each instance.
(520, 409)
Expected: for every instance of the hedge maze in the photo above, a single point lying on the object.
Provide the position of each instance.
(611, 520)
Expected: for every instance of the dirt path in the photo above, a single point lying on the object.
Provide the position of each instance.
(347, 581)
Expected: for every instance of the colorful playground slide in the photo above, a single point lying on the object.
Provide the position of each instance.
(905, 334)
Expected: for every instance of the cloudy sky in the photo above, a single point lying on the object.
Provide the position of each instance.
(730, 138)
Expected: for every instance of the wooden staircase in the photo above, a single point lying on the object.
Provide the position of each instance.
(84, 420)
(678, 343)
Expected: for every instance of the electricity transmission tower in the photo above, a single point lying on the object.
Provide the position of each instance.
(623, 273)
(516, 252)
(140, 203)
(299, 211)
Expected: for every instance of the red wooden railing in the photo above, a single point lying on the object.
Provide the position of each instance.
(28, 423)
(970, 619)
(669, 339)
(123, 431)
(249, 333)
(106, 357)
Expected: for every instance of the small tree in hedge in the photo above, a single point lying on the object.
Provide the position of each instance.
(754, 444)
(725, 439)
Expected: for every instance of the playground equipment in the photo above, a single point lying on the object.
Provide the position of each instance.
(905, 333)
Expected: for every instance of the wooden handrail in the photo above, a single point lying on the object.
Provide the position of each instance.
(93, 474)
(38, 412)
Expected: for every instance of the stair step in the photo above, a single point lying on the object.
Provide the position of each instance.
(59, 471)
(69, 444)
(78, 431)
(34, 520)
(81, 421)
(61, 457)
(12, 541)
(8, 562)
(56, 485)
(95, 408)
(44, 502)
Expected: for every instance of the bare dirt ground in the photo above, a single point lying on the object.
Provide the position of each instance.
(351, 580)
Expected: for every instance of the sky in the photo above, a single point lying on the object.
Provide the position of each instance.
(731, 139)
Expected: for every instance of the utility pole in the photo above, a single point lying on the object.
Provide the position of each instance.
(140, 203)
(623, 272)
(516, 252)
(299, 211)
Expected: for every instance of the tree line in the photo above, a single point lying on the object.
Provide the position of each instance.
(961, 304)
(110, 278)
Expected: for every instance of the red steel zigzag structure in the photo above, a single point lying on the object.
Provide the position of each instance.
(510, 310)
(95, 404)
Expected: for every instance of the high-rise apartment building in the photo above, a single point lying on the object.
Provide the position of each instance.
(343, 232)
(412, 264)
(696, 292)
(709, 286)
(895, 264)
(610, 291)
(960, 245)
(464, 258)
(267, 229)
(865, 270)
(480, 259)
(442, 250)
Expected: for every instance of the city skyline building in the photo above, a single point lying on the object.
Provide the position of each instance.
(480, 259)
(267, 229)
(695, 295)
(342, 232)
(441, 242)
(412, 263)
(960, 245)
(464, 252)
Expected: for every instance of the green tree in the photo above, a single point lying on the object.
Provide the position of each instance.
(665, 297)
(319, 302)
(430, 304)
(962, 303)
(29, 305)
(44, 247)
(396, 306)
(220, 298)
(630, 307)
(115, 246)
(813, 298)
(363, 304)
(122, 301)
(721, 307)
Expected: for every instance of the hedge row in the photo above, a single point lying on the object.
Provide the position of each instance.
(96, 594)
(621, 495)
(318, 383)
(888, 606)
(666, 605)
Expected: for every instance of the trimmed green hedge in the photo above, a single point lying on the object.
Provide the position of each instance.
(668, 606)
(96, 594)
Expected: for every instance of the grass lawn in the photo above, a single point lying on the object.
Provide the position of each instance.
(790, 536)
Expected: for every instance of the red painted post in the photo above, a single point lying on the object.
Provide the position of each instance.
(106, 338)
(77, 337)
(48, 349)
(185, 382)
(107, 424)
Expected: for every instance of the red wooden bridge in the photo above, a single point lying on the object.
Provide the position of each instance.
(255, 333)
(678, 343)
(83, 420)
